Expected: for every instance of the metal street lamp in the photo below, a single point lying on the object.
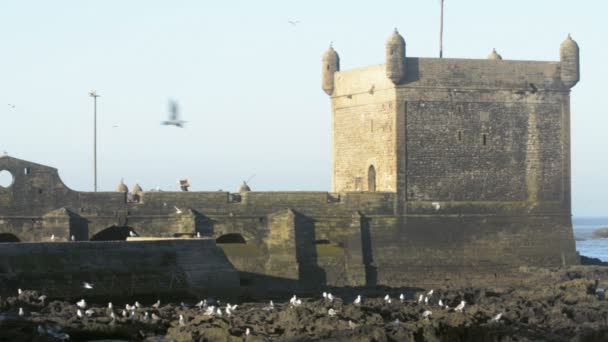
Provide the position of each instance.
(94, 95)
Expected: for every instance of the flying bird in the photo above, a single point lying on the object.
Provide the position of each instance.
(173, 116)
(12, 106)
(293, 22)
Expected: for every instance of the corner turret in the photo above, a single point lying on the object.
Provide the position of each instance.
(395, 57)
(569, 58)
(331, 64)
(494, 55)
(122, 187)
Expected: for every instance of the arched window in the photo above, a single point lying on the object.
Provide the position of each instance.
(8, 237)
(371, 179)
(114, 233)
(231, 238)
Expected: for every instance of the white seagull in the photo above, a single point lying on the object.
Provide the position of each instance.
(357, 300)
(420, 298)
(155, 317)
(177, 210)
(81, 304)
(426, 313)
(460, 306)
(331, 312)
(87, 286)
(21, 313)
(52, 237)
(440, 303)
(247, 332)
(182, 321)
(89, 312)
(79, 313)
(497, 317)
(19, 291)
(173, 116)
(401, 297)
(387, 298)
(157, 304)
(132, 233)
(430, 293)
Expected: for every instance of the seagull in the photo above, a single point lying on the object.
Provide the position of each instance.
(145, 318)
(137, 305)
(269, 307)
(19, 292)
(460, 306)
(293, 22)
(351, 324)
(112, 315)
(247, 332)
(11, 105)
(110, 306)
(89, 312)
(426, 313)
(426, 300)
(21, 313)
(173, 116)
(387, 298)
(396, 322)
(210, 311)
(420, 298)
(440, 303)
(81, 304)
(228, 311)
(218, 312)
(198, 234)
(497, 317)
(198, 305)
(291, 301)
(79, 313)
(132, 233)
(72, 238)
(357, 300)
(124, 313)
(87, 286)
(177, 210)
(330, 297)
(325, 295)
(401, 297)
(157, 304)
(430, 293)
(155, 317)
(331, 312)
(129, 307)
(42, 298)
(52, 237)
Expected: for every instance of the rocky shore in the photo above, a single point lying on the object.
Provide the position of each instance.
(550, 305)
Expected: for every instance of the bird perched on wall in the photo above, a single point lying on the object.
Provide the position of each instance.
(177, 210)
(173, 116)
(132, 233)
(52, 237)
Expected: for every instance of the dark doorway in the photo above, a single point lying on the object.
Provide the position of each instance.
(114, 233)
(231, 238)
(371, 179)
(8, 237)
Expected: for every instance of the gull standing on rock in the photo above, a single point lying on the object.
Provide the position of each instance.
(420, 299)
(177, 210)
(42, 299)
(427, 313)
(81, 304)
(21, 313)
(182, 321)
(157, 304)
(357, 300)
(87, 286)
(78, 313)
(19, 292)
(89, 312)
(497, 317)
(331, 312)
(401, 297)
(460, 306)
(155, 317)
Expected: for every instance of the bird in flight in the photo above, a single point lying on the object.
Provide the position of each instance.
(293, 22)
(12, 106)
(174, 116)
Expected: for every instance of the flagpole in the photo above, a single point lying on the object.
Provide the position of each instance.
(441, 33)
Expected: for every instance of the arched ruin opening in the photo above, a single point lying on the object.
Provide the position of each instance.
(6, 179)
(231, 238)
(113, 233)
(8, 237)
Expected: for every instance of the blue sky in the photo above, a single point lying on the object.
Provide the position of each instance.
(249, 85)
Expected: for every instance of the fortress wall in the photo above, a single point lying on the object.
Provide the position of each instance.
(363, 131)
(426, 251)
(481, 73)
(117, 269)
(183, 200)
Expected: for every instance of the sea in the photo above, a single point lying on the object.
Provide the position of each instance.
(585, 244)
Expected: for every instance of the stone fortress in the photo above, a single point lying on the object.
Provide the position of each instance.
(444, 171)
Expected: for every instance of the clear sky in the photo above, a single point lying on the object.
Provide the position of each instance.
(249, 83)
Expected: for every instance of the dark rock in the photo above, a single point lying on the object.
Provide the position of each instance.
(600, 233)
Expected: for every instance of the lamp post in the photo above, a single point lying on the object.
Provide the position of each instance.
(94, 95)
(441, 32)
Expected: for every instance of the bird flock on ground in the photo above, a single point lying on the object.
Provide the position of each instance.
(214, 308)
